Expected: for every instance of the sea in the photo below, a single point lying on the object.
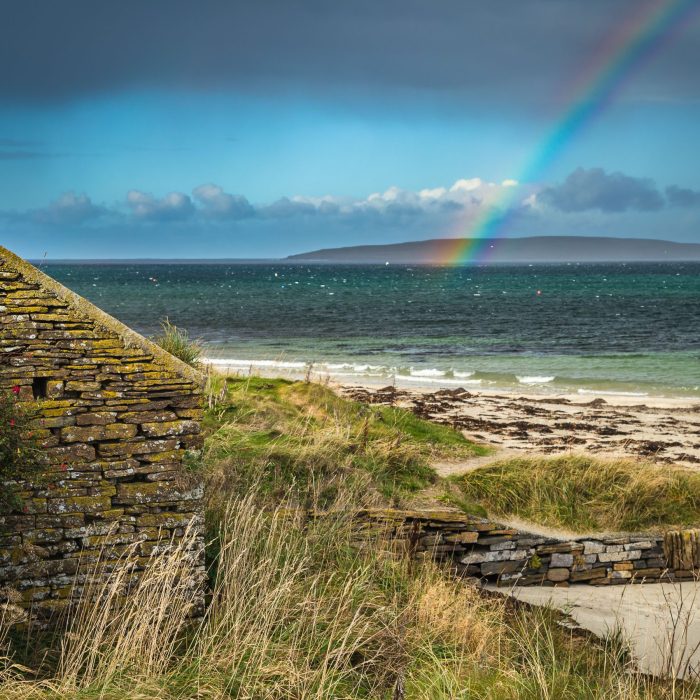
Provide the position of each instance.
(619, 329)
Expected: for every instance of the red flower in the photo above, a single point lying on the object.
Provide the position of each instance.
(15, 389)
(12, 422)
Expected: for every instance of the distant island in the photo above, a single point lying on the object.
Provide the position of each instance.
(532, 249)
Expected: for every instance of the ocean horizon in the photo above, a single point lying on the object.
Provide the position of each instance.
(631, 329)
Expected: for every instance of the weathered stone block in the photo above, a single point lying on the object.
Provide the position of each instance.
(561, 560)
(82, 385)
(146, 416)
(135, 493)
(94, 433)
(96, 418)
(71, 453)
(501, 567)
(54, 389)
(558, 575)
(170, 428)
(621, 574)
(587, 575)
(619, 556)
(114, 449)
(79, 504)
(463, 537)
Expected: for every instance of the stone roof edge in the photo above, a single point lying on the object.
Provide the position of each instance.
(130, 337)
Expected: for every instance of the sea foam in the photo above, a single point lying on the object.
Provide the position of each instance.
(535, 380)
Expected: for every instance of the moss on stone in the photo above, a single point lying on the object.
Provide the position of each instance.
(82, 307)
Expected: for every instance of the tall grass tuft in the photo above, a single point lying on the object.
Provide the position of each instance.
(586, 494)
(297, 612)
(177, 342)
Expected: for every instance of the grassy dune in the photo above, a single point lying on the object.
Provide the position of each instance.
(296, 612)
(302, 435)
(586, 494)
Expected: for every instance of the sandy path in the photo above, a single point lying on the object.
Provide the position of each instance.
(660, 621)
(447, 468)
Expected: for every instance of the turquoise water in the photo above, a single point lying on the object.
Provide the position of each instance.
(583, 328)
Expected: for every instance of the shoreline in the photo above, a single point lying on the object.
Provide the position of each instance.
(665, 430)
(426, 385)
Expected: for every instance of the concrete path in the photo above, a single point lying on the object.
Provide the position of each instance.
(660, 621)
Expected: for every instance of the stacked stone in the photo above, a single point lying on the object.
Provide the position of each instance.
(116, 419)
(480, 548)
(527, 560)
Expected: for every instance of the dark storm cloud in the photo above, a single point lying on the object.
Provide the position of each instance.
(464, 49)
(682, 197)
(586, 190)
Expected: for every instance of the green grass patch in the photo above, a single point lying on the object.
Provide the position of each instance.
(177, 342)
(585, 494)
(301, 434)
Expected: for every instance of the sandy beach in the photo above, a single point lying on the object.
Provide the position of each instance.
(662, 430)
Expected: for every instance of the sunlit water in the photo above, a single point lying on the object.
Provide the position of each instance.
(631, 328)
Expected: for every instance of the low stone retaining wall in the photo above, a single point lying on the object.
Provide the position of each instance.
(484, 549)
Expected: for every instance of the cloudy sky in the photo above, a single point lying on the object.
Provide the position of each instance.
(260, 128)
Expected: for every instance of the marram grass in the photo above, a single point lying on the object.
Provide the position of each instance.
(178, 343)
(303, 435)
(297, 613)
(587, 494)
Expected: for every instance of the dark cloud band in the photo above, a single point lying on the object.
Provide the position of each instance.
(456, 49)
(595, 189)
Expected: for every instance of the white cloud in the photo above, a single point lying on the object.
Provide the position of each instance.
(463, 185)
(435, 193)
(438, 205)
(69, 208)
(175, 206)
(217, 204)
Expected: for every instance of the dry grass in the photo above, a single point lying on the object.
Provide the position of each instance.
(586, 494)
(295, 611)
(298, 613)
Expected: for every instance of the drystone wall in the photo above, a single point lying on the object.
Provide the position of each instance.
(117, 416)
(486, 550)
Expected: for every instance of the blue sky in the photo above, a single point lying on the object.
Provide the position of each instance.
(248, 130)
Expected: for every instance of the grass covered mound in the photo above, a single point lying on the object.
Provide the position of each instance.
(586, 494)
(295, 611)
(290, 433)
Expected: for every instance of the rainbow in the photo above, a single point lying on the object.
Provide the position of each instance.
(637, 41)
